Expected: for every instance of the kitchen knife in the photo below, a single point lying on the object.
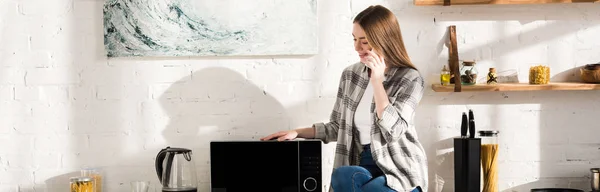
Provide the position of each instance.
(471, 124)
(464, 125)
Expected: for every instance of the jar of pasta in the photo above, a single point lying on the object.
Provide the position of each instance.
(96, 176)
(489, 159)
(82, 184)
(539, 74)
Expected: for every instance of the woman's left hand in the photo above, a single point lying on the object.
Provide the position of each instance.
(377, 65)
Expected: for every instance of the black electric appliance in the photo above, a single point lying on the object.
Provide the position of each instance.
(176, 170)
(266, 166)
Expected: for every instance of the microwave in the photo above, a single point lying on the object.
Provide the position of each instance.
(266, 166)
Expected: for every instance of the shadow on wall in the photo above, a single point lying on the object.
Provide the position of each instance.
(60, 181)
(217, 103)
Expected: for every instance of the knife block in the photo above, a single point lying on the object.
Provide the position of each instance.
(467, 164)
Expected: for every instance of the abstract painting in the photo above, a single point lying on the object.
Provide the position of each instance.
(210, 27)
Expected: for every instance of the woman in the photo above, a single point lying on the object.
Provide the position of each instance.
(372, 120)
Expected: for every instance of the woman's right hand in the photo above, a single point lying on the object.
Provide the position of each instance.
(281, 135)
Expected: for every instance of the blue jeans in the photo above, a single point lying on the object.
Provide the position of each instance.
(365, 177)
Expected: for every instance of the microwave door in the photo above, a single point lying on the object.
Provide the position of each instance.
(254, 166)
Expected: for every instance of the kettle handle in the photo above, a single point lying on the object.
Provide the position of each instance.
(160, 157)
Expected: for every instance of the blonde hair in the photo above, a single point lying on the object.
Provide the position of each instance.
(383, 34)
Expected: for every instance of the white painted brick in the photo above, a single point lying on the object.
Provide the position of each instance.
(328, 86)
(30, 160)
(8, 8)
(54, 179)
(201, 125)
(60, 111)
(37, 59)
(293, 70)
(7, 125)
(41, 125)
(12, 76)
(120, 92)
(16, 176)
(105, 125)
(572, 169)
(160, 74)
(303, 89)
(7, 93)
(67, 59)
(9, 188)
(123, 175)
(264, 73)
(103, 116)
(49, 76)
(18, 144)
(52, 33)
(103, 75)
(255, 126)
(173, 109)
(167, 92)
(91, 158)
(41, 93)
(82, 92)
(217, 91)
(202, 91)
(88, 9)
(266, 105)
(526, 170)
(14, 109)
(11, 58)
(310, 72)
(222, 71)
(46, 160)
(535, 152)
(585, 153)
(116, 143)
(61, 143)
(154, 109)
(18, 41)
(57, 8)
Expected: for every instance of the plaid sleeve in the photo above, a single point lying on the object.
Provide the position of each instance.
(327, 132)
(396, 116)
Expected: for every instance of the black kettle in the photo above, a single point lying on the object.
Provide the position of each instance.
(176, 170)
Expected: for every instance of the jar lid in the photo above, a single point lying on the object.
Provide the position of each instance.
(468, 63)
(595, 170)
(487, 133)
(80, 179)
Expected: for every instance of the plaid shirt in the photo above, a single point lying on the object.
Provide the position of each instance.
(394, 143)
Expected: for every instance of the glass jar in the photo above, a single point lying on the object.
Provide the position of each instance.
(489, 159)
(81, 184)
(96, 178)
(468, 73)
(445, 76)
(539, 74)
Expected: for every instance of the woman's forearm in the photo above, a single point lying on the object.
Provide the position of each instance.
(381, 98)
(307, 133)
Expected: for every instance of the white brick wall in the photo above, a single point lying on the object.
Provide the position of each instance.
(64, 106)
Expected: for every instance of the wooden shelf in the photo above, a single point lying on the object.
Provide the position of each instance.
(479, 2)
(518, 87)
